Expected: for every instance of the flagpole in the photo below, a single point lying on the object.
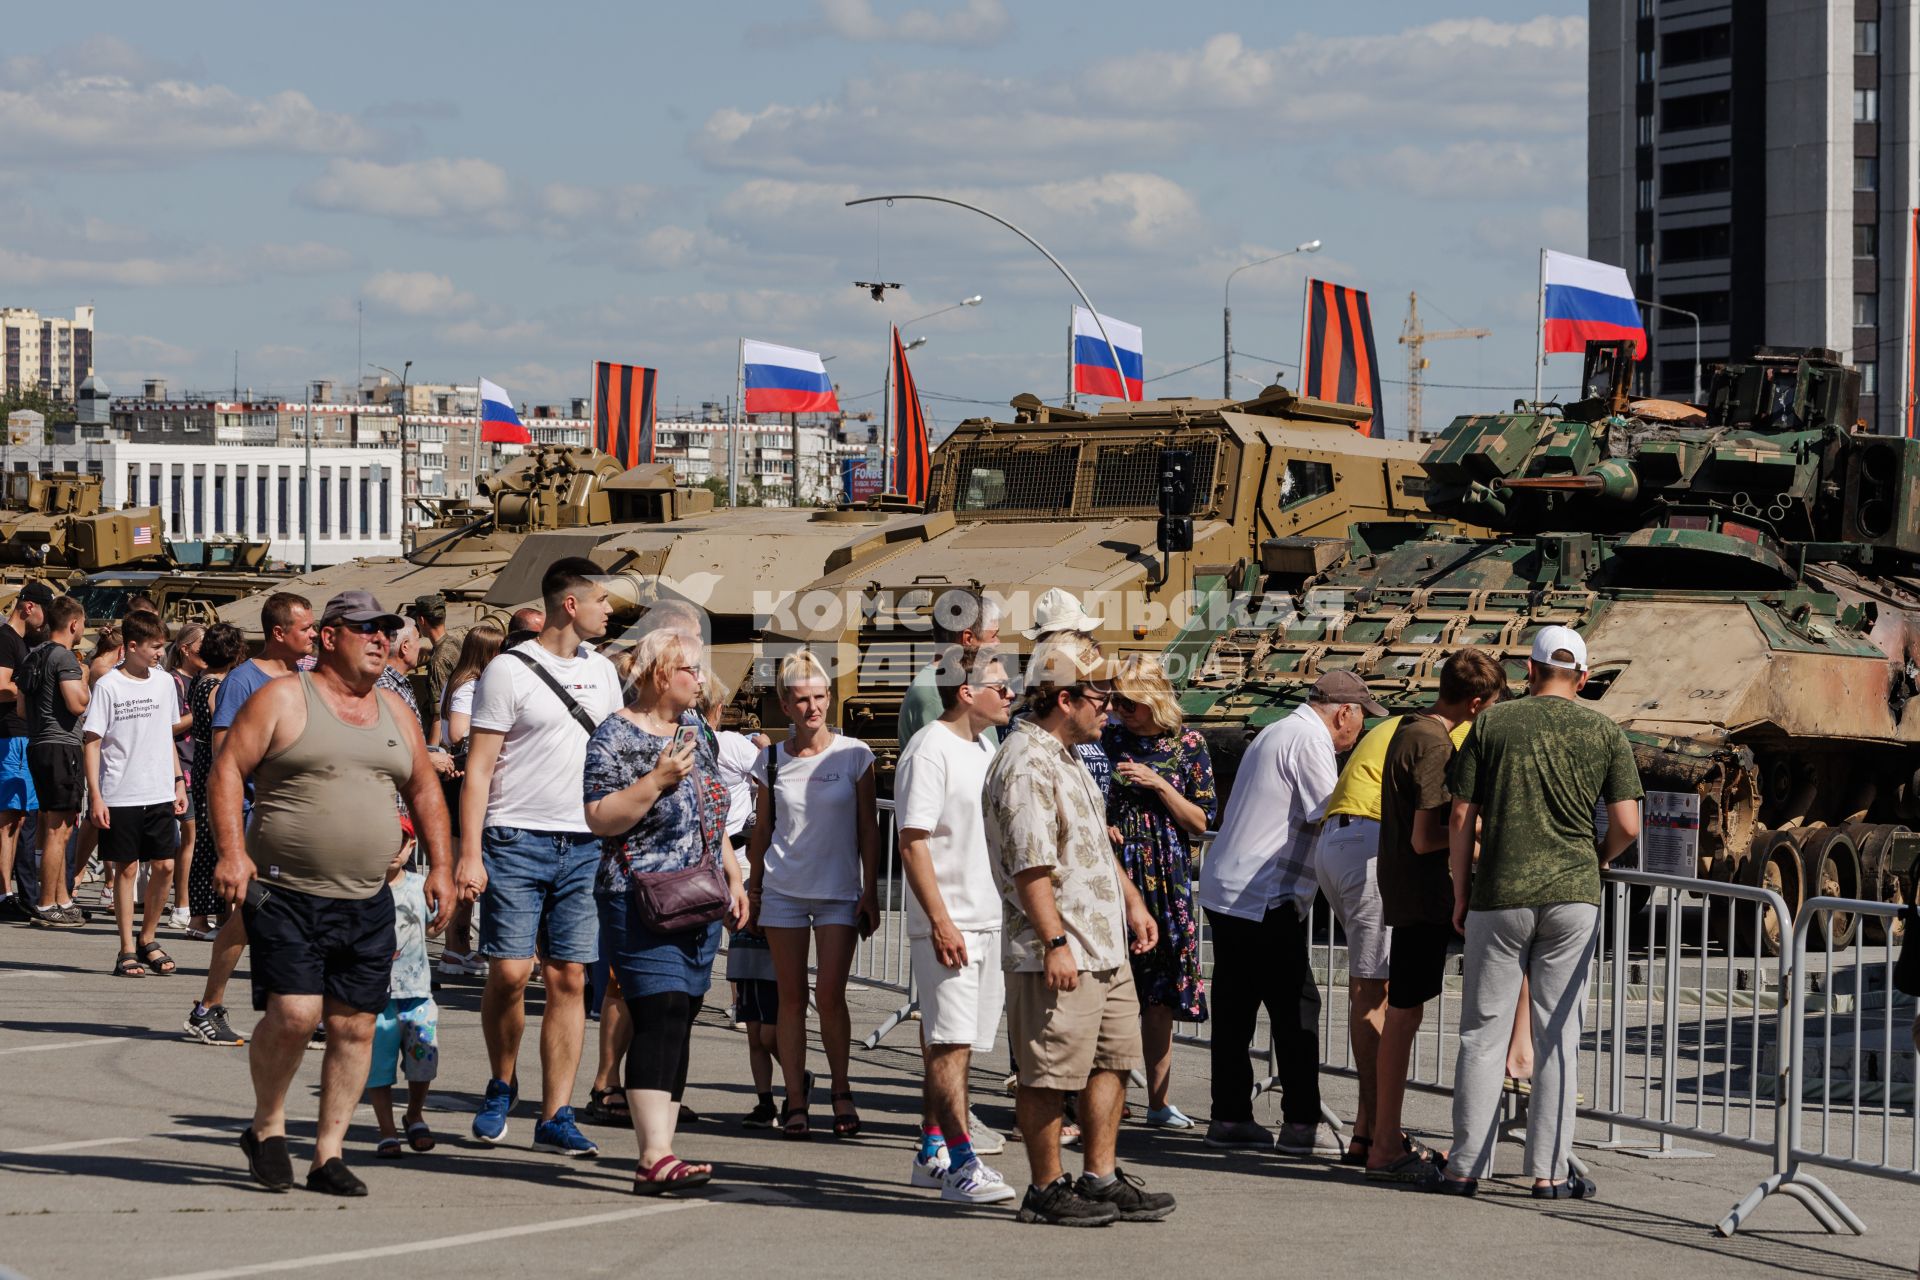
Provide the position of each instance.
(1070, 342)
(1306, 317)
(886, 413)
(593, 417)
(733, 428)
(1540, 331)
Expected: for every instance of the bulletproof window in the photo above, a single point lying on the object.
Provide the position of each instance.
(1305, 481)
(1126, 477)
(1007, 478)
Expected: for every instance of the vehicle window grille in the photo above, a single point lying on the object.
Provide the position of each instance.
(1009, 478)
(1126, 477)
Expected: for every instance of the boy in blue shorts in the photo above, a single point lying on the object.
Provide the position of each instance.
(406, 1034)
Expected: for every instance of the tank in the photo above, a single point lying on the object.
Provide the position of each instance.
(1152, 513)
(1746, 574)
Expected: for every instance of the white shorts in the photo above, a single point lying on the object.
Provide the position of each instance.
(778, 911)
(1345, 859)
(961, 1006)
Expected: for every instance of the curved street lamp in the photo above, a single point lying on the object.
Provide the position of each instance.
(974, 301)
(1112, 350)
(1226, 309)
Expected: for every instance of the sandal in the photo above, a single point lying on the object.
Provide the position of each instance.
(387, 1149)
(1409, 1169)
(156, 960)
(794, 1125)
(599, 1108)
(1413, 1146)
(419, 1136)
(845, 1125)
(1357, 1149)
(1576, 1187)
(669, 1173)
(129, 966)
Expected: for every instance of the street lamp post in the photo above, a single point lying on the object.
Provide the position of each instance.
(1226, 311)
(886, 389)
(1112, 351)
(1680, 311)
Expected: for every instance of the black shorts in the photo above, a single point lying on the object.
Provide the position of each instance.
(303, 945)
(59, 778)
(140, 833)
(1417, 963)
(760, 1001)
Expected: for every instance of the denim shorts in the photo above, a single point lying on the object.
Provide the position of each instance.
(652, 964)
(539, 888)
(778, 911)
(16, 779)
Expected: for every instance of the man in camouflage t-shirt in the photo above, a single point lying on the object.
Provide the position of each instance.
(1533, 770)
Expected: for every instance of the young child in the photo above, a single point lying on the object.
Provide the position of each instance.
(136, 788)
(407, 1031)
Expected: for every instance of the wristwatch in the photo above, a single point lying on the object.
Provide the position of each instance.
(1054, 944)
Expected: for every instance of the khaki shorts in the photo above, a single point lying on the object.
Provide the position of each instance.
(1062, 1037)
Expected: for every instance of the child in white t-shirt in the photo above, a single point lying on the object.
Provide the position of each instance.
(407, 1032)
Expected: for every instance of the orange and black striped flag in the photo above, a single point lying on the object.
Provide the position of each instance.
(1337, 357)
(912, 456)
(623, 400)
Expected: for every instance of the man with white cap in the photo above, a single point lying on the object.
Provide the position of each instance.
(1532, 771)
(1056, 611)
(1257, 886)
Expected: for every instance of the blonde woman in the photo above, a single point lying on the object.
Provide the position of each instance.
(1161, 798)
(652, 796)
(815, 859)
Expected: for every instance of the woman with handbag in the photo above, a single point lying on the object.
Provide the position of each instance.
(481, 645)
(815, 863)
(666, 881)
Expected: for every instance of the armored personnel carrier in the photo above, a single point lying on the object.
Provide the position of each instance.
(1153, 514)
(1746, 575)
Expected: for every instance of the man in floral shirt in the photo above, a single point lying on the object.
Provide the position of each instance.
(1072, 1015)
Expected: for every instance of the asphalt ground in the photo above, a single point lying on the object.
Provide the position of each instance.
(119, 1158)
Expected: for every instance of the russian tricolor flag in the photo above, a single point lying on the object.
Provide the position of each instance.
(779, 379)
(1093, 371)
(499, 424)
(1586, 301)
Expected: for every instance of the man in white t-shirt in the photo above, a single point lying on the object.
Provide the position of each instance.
(953, 913)
(136, 788)
(525, 851)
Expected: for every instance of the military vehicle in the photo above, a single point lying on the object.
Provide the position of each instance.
(1151, 513)
(1746, 575)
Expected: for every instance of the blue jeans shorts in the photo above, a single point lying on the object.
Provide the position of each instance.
(16, 779)
(406, 1036)
(539, 889)
(778, 911)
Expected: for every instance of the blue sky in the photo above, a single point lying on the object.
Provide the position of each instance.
(516, 190)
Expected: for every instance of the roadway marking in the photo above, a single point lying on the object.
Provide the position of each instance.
(61, 1044)
(487, 1237)
(50, 1148)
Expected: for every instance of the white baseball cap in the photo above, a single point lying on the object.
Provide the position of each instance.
(1555, 638)
(1057, 610)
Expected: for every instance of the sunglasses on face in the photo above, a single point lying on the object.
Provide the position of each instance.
(1001, 687)
(1099, 700)
(369, 629)
(1123, 704)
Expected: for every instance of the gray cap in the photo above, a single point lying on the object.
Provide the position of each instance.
(1344, 686)
(359, 606)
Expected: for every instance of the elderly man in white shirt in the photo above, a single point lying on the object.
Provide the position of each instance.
(1257, 886)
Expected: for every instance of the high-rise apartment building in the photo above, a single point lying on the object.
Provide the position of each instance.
(1754, 162)
(45, 353)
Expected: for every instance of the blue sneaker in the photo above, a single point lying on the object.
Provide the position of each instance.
(562, 1136)
(490, 1125)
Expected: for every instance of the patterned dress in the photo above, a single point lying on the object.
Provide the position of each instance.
(201, 899)
(1158, 856)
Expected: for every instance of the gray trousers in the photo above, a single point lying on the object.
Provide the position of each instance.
(1553, 947)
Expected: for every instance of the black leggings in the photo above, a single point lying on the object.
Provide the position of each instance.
(662, 1041)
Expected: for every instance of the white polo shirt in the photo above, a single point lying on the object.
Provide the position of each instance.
(1263, 855)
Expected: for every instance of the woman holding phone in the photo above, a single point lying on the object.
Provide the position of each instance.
(653, 797)
(814, 863)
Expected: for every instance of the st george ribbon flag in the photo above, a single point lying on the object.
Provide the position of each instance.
(912, 456)
(624, 396)
(1338, 361)
(776, 379)
(499, 424)
(1093, 371)
(1584, 301)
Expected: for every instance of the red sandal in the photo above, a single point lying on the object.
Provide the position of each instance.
(669, 1173)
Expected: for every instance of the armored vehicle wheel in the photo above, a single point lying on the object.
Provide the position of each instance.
(1878, 881)
(1832, 866)
(1777, 865)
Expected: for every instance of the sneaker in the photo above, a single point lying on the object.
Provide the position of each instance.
(1129, 1195)
(1058, 1204)
(211, 1027)
(1168, 1117)
(974, 1183)
(562, 1136)
(56, 917)
(14, 911)
(318, 1040)
(761, 1117)
(1316, 1139)
(932, 1171)
(490, 1123)
(985, 1141)
(1238, 1134)
(178, 918)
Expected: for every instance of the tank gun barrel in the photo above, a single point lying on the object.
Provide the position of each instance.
(1556, 484)
(1612, 481)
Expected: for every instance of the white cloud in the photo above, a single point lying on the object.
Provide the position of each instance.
(194, 267)
(415, 293)
(434, 190)
(1489, 170)
(973, 23)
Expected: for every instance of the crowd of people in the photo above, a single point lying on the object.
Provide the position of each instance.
(570, 810)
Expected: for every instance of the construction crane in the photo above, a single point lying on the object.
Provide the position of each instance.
(1414, 338)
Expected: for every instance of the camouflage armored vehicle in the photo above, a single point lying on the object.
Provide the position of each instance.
(1150, 513)
(1746, 576)
(53, 528)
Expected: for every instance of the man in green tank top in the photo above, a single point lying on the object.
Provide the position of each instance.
(326, 750)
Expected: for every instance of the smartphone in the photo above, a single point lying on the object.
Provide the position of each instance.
(682, 738)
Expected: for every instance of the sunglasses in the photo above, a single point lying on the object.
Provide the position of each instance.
(1100, 700)
(368, 629)
(1001, 687)
(1122, 703)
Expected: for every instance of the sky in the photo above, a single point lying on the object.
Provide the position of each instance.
(514, 191)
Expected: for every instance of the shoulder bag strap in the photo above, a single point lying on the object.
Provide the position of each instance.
(580, 717)
(773, 780)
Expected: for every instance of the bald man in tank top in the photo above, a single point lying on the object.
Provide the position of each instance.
(326, 750)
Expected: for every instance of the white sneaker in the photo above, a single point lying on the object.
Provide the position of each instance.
(178, 918)
(985, 1141)
(930, 1173)
(974, 1183)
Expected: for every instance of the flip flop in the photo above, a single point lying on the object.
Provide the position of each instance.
(1409, 1169)
(388, 1149)
(1576, 1187)
(669, 1173)
(419, 1136)
(157, 960)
